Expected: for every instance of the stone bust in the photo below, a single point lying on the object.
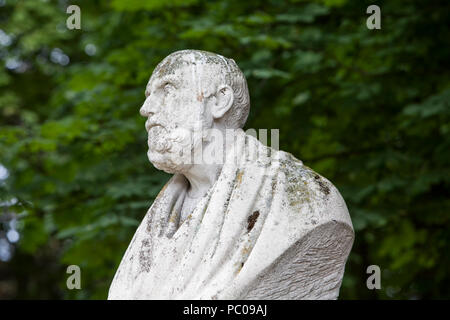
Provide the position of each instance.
(229, 224)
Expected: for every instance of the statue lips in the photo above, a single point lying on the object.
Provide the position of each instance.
(151, 124)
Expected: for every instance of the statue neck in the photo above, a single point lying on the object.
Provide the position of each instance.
(201, 178)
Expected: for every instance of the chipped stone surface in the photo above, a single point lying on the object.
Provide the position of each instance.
(261, 230)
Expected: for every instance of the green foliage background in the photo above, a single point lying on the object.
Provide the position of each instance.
(368, 109)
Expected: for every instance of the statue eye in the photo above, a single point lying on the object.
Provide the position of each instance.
(168, 87)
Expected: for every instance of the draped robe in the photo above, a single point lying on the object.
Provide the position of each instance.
(269, 228)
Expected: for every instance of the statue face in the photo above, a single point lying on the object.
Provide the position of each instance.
(177, 112)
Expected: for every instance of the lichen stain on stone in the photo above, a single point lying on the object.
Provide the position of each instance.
(252, 220)
(239, 178)
(323, 187)
(299, 192)
(169, 66)
(177, 60)
(145, 255)
(299, 184)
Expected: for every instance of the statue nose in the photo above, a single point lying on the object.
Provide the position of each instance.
(148, 108)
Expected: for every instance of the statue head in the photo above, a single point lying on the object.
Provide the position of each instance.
(189, 92)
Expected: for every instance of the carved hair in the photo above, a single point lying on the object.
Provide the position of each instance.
(228, 74)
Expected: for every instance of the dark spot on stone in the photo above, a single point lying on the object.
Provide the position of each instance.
(145, 255)
(252, 220)
(323, 187)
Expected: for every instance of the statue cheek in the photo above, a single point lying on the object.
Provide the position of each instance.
(170, 107)
(185, 107)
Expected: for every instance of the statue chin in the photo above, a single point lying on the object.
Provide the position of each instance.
(170, 151)
(168, 161)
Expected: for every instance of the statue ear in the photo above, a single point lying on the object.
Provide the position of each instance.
(224, 101)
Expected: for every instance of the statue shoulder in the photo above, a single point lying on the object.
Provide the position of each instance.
(307, 198)
(309, 193)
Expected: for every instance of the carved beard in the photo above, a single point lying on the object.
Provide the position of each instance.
(171, 150)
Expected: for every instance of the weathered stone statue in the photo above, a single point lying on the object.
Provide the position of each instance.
(238, 219)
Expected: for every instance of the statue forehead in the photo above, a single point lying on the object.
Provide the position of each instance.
(182, 61)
